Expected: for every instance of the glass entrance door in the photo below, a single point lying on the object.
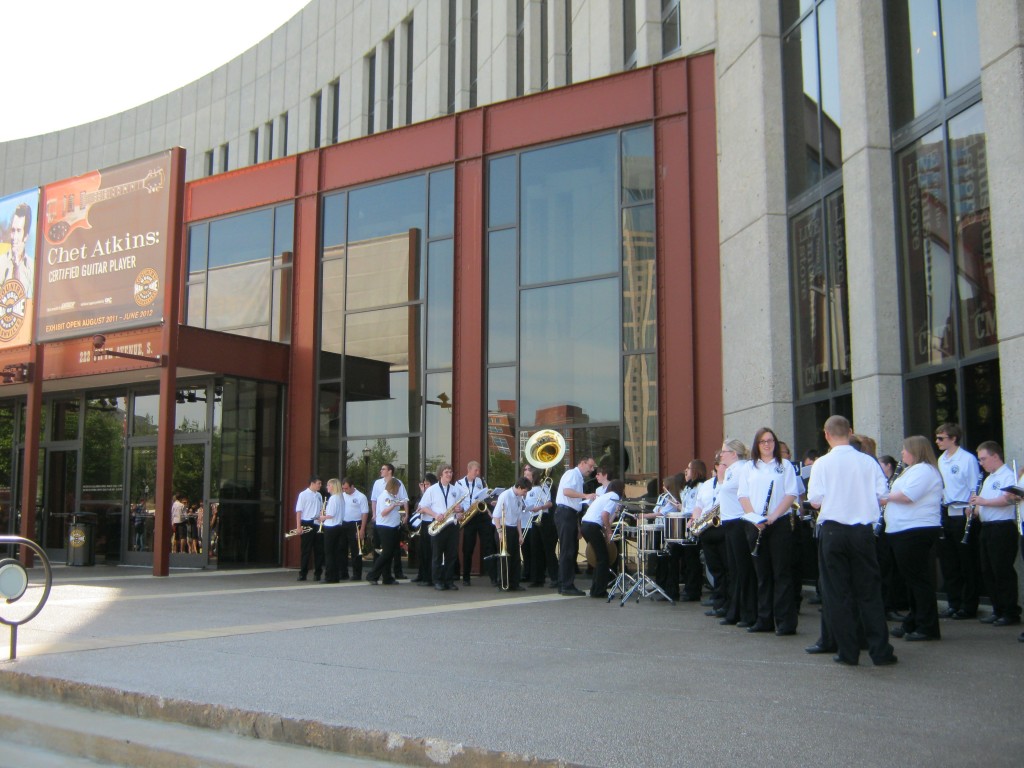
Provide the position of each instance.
(59, 500)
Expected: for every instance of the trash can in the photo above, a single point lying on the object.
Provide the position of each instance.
(81, 542)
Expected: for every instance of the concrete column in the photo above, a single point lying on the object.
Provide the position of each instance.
(872, 271)
(1001, 38)
(648, 32)
(756, 338)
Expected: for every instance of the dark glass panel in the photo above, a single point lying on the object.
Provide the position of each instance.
(105, 428)
(332, 317)
(638, 165)
(382, 371)
(383, 271)
(831, 117)
(569, 373)
(190, 409)
(915, 58)
(839, 305)
(810, 302)
(502, 450)
(442, 203)
(640, 421)
(927, 262)
(329, 423)
(501, 296)
(669, 27)
(440, 311)
(972, 230)
(569, 211)
(438, 435)
(146, 414)
(793, 10)
(501, 191)
(334, 221)
(284, 228)
(930, 401)
(242, 238)
(983, 405)
(393, 207)
(800, 90)
(250, 453)
(239, 297)
(143, 498)
(198, 244)
(960, 43)
(810, 425)
(65, 419)
(639, 280)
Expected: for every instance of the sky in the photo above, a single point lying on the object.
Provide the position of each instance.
(81, 61)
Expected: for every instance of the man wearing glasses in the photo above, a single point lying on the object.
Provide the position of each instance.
(960, 477)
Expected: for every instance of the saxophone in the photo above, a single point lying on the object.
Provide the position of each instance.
(709, 518)
(448, 518)
(476, 508)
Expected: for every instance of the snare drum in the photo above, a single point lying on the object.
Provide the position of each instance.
(650, 538)
(675, 529)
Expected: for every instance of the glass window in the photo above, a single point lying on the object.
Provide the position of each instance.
(105, 428)
(501, 296)
(501, 191)
(570, 376)
(284, 228)
(569, 211)
(438, 436)
(332, 317)
(927, 262)
(196, 304)
(839, 306)
(242, 238)
(972, 230)
(915, 58)
(828, 61)
(800, 91)
(65, 419)
(281, 319)
(198, 244)
(329, 428)
(146, 414)
(190, 409)
(440, 311)
(240, 296)
(639, 279)
(793, 10)
(669, 26)
(386, 209)
(334, 221)
(502, 450)
(381, 271)
(640, 418)
(638, 165)
(442, 203)
(810, 302)
(960, 43)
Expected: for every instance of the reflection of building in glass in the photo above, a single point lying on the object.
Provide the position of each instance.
(501, 428)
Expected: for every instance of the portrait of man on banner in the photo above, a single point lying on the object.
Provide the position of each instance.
(17, 267)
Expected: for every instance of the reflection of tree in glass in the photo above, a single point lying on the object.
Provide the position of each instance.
(103, 454)
(501, 470)
(356, 467)
(188, 471)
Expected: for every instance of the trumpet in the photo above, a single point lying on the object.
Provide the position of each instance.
(448, 518)
(476, 508)
(298, 531)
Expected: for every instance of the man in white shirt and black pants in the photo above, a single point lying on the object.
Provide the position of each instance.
(568, 503)
(847, 486)
(307, 509)
(961, 573)
(998, 535)
(510, 512)
(357, 511)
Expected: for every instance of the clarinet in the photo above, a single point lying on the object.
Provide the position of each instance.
(970, 516)
(764, 513)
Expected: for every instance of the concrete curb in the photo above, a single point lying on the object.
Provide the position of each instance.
(347, 740)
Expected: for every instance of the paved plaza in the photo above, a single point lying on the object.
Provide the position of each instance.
(419, 676)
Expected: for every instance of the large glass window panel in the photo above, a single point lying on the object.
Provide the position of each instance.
(329, 429)
(972, 230)
(800, 90)
(501, 296)
(190, 409)
(65, 419)
(438, 436)
(915, 58)
(386, 209)
(927, 261)
(810, 424)
(810, 301)
(334, 221)
(502, 449)
(793, 10)
(569, 211)
(983, 403)
(831, 117)
(638, 165)
(145, 414)
(839, 306)
(440, 311)
(242, 238)
(363, 460)
(239, 296)
(196, 309)
(501, 191)
(442, 203)
(198, 243)
(382, 371)
(284, 228)
(640, 419)
(930, 401)
(8, 489)
(142, 494)
(568, 371)
(382, 270)
(332, 317)
(103, 443)
(639, 280)
(960, 43)
(281, 307)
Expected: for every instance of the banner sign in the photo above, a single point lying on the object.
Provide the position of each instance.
(104, 250)
(17, 267)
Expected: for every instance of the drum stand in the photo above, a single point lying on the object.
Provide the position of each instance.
(624, 581)
(643, 585)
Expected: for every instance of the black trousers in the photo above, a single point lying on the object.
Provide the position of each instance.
(513, 562)
(716, 558)
(426, 561)
(312, 546)
(549, 541)
(998, 553)
(961, 573)
(894, 586)
(480, 527)
(384, 562)
(776, 606)
(567, 524)
(742, 604)
(913, 551)
(333, 547)
(350, 550)
(851, 588)
(533, 550)
(667, 569)
(444, 550)
(594, 535)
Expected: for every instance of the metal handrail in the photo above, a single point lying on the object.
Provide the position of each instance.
(16, 566)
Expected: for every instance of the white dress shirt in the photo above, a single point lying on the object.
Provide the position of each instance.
(960, 475)
(573, 481)
(923, 486)
(335, 510)
(761, 476)
(356, 506)
(993, 489)
(601, 506)
(728, 491)
(512, 507)
(848, 485)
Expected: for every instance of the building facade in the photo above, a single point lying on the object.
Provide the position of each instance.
(416, 231)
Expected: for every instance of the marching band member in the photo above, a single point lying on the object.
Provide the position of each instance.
(445, 546)
(332, 521)
(597, 530)
(308, 506)
(894, 588)
(508, 512)
(387, 471)
(959, 563)
(667, 566)
(742, 606)
(424, 577)
(357, 511)
(913, 522)
(769, 488)
(998, 539)
(568, 500)
(712, 542)
(847, 486)
(390, 509)
(694, 476)
(542, 536)
(478, 527)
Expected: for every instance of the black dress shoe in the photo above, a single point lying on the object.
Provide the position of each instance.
(465, 582)
(961, 615)
(785, 632)
(452, 587)
(815, 649)
(1020, 639)
(897, 632)
(390, 582)
(425, 584)
(757, 626)
(840, 660)
(726, 622)
(707, 603)
(1006, 621)
(949, 613)
(814, 600)
(744, 624)
(572, 592)
(887, 661)
(301, 578)
(990, 619)
(372, 581)
(440, 587)
(599, 594)
(895, 616)
(917, 636)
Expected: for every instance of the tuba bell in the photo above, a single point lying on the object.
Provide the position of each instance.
(545, 449)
